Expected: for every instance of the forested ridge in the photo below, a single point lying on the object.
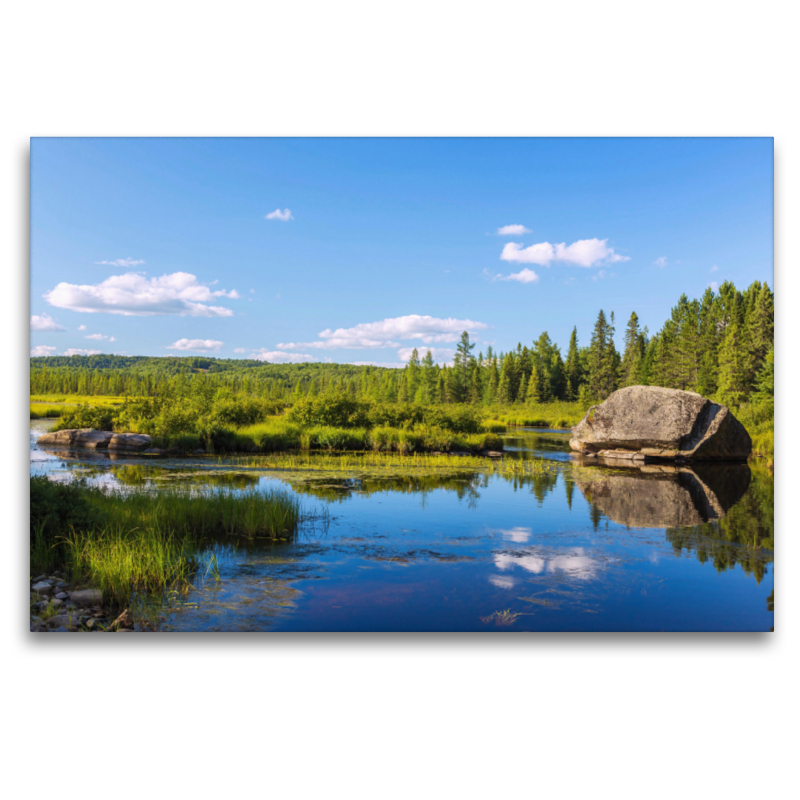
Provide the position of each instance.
(720, 345)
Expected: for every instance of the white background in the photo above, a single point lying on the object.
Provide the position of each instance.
(640, 716)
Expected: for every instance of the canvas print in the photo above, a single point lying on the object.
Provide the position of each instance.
(388, 384)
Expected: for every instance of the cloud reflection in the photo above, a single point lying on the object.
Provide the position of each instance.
(519, 535)
(575, 564)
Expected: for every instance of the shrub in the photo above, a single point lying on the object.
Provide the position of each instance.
(84, 416)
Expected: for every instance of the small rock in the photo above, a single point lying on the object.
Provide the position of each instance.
(64, 620)
(37, 621)
(56, 602)
(86, 597)
(198, 452)
(42, 604)
(62, 596)
(40, 578)
(42, 587)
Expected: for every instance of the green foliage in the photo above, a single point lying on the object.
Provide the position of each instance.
(100, 418)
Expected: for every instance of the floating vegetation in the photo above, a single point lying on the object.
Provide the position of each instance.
(503, 618)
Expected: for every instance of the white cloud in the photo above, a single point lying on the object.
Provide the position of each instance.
(81, 327)
(661, 261)
(714, 286)
(583, 253)
(439, 354)
(121, 262)
(512, 230)
(384, 333)
(43, 350)
(599, 275)
(135, 295)
(277, 357)
(100, 337)
(283, 216)
(715, 268)
(386, 364)
(239, 350)
(77, 351)
(45, 323)
(523, 276)
(196, 345)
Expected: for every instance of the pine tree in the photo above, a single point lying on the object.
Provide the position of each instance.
(733, 360)
(572, 367)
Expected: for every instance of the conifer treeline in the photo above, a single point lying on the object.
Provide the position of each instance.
(720, 345)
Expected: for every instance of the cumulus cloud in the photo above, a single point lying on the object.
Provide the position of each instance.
(100, 337)
(386, 364)
(713, 286)
(523, 276)
(283, 216)
(512, 230)
(385, 333)
(132, 294)
(45, 323)
(661, 261)
(277, 357)
(583, 253)
(239, 350)
(196, 345)
(81, 327)
(121, 262)
(43, 350)
(77, 351)
(439, 354)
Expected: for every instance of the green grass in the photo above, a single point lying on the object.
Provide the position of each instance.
(124, 542)
(77, 399)
(45, 411)
(540, 415)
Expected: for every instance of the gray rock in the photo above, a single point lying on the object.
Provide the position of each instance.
(650, 423)
(43, 587)
(62, 596)
(39, 578)
(90, 439)
(86, 597)
(492, 453)
(56, 602)
(65, 620)
(131, 442)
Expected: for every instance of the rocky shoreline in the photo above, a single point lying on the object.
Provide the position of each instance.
(56, 607)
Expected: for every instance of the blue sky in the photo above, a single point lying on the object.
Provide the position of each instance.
(173, 247)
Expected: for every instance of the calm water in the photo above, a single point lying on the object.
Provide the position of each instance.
(579, 547)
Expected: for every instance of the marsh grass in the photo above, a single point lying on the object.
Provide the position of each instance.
(134, 541)
(540, 415)
(45, 411)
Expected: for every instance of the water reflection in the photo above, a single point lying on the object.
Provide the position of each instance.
(574, 564)
(662, 496)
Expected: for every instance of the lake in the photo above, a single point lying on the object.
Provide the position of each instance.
(543, 541)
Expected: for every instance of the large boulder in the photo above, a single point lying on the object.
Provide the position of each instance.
(650, 423)
(89, 439)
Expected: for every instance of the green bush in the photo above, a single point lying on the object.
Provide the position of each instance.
(100, 418)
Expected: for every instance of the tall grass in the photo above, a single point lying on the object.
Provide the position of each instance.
(128, 541)
(540, 415)
(45, 411)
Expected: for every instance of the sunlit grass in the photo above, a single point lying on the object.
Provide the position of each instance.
(540, 415)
